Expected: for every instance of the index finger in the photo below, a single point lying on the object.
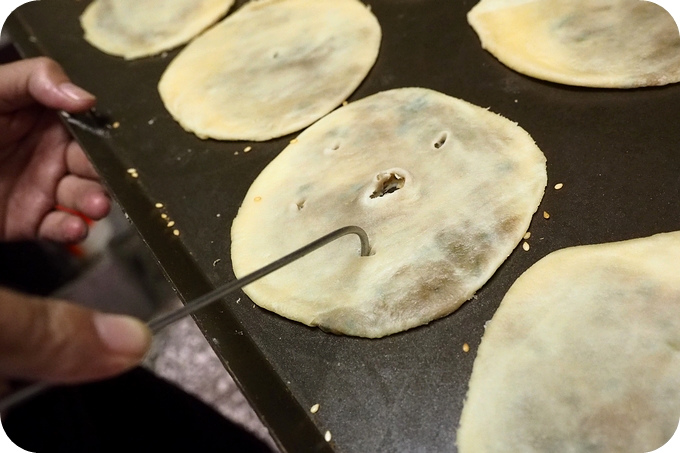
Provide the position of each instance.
(77, 162)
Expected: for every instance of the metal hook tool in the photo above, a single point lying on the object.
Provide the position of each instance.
(157, 324)
(161, 322)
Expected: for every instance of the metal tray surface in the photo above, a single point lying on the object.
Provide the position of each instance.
(615, 151)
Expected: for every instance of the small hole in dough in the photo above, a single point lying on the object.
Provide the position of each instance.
(300, 204)
(333, 148)
(442, 139)
(387, 183)
(275, 55)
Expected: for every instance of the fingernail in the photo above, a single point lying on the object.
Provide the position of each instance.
(75, 92)
(123, 334)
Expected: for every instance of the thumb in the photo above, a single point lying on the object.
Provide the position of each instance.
(59, 342)
(40, 80)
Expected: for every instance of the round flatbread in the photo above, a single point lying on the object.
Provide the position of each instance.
(583, 354)
(444, 189)
(592, 43)
(271, 68)
(139, 28)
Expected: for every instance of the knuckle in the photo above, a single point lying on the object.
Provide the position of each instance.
(58, 349)
(46, 73)
(45, 65)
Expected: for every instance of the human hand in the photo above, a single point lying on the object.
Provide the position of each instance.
(57, 342)
(41, 166)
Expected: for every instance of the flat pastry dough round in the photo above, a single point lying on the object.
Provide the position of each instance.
(583, 354)
(271, 68)
(592, 43)
(139, 28)
(444, 189)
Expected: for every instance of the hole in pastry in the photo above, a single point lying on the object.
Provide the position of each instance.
(442, 139)
(388, 183)
(275, 55)
(300, 204)
(333, 148)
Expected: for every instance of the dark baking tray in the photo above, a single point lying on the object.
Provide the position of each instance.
(616, 151)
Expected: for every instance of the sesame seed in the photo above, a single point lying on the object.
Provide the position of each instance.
(546, 215)
(526, 246)
(258, 198)
(164, 216)
(327, 436)
(159, 205)
(314, 409)
(171, 224)
(132, 170)
(294, 141)
(115, 125)
(345, 102)
(558, 186)
(175, 232)
(466, 347)
(528, 235)
(247, 148)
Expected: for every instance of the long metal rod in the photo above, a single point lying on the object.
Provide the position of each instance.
(22, 394)
(33, 389)
(159, 323)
